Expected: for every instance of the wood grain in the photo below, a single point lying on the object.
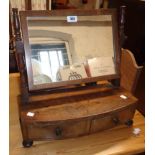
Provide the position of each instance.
(130, 71)
(83, 106)
(98, 107)
(80, 128)
(116, 141)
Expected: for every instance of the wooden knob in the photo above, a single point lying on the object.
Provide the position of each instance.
(129, 123)
(115, 120)
(84, 1)
(58, 132)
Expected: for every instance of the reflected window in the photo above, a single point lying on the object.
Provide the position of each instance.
(46, 61)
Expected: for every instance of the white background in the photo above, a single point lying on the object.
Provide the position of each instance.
(4, 77)
(150, 77)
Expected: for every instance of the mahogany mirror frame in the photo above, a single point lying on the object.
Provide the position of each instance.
(24, 27)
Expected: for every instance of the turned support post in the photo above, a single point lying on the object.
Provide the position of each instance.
(16, 24)
(20, 56)
(123, 37)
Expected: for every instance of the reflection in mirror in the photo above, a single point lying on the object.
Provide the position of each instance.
(46, 60)
(62, 51)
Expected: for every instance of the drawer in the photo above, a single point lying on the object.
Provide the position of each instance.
(102, 123)
(41, 131)
(70, 129)
(112, 120)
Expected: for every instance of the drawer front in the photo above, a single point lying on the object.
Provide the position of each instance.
(112, 120)
(100, 124)
(45, 131)
(58, 131)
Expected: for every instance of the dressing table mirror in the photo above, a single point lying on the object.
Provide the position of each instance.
(69, 62)
(64, 48)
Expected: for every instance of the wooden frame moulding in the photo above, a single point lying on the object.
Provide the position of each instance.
(25, 14)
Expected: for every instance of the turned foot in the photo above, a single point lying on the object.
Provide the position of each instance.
(27, 143)
(129, 123)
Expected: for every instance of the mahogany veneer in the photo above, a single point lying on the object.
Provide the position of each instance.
(80, 115)
(78, 107)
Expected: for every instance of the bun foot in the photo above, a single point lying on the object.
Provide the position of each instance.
(27, 143)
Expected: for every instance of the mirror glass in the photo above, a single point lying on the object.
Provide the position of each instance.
(70, 48)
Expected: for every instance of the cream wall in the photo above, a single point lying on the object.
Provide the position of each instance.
(89, 41)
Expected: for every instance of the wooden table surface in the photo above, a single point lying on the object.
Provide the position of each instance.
(119, 140)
